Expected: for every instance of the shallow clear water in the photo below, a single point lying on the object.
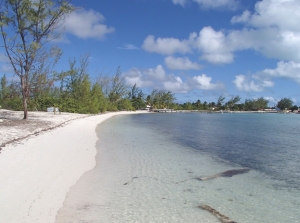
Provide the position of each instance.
(156, 161)
(268, 143)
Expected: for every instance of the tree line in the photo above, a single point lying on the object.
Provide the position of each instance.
(74, 91)
(234, 104)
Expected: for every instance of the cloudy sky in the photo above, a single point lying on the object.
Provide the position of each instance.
(198, 49)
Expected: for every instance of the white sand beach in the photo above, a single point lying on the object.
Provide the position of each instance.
(37, 172)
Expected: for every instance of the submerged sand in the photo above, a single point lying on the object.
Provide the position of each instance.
(36, 172)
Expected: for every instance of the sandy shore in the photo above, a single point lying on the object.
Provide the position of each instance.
(37, 172)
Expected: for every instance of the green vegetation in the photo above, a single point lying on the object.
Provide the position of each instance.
(26, 27)
(284, 104)
(136, 97)
(161, 99)
(74, 91)
(258, 104)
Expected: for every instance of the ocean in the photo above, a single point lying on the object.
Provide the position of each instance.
(191, 167)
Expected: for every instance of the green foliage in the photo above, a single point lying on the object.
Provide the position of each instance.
(26, 27)
(205, 105)
(112, 107)
(161, 99)
(117, 89)
(255, 105)
(77, 92)
(3, 89)
(285, 103)
(15, 103)
(98, 101)
(136, 97)
(249, 105)
(197, 105)
(125, 105)
(261, 103)
(187, 106)
(295, 107)
(42, 103)
(232, 102)
(220, 102)
(10, 95)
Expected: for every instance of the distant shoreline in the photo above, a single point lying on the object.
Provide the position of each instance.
(208, 111)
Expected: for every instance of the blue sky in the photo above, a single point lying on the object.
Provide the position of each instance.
(198, 49)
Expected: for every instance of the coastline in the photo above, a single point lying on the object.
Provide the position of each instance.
(37, 172)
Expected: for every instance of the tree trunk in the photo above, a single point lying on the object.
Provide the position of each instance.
(24, 97)
(25, 107)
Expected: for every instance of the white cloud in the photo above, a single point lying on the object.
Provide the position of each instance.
(214, 46)
(283, 14)
(87, 24)
(179, 2)
(166, 46)
(157, 74)
(3, 58)
(243, 83)
(263, 79)
(203, 82)
(272, 101)
(230, 4)
(290, 70)
(274, 30)
(129, 47)
(134, 76)
(158, 79)
(147, 77)
(175, 84)
(5, 66)
(217, 47)
(181, 63)
(271, 42)
(242, 18)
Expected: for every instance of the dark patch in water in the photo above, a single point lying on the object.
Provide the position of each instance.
(228, 173)
(189, 190)
(130, 181)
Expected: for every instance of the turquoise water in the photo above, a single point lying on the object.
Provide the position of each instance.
(149, 169)
(268, 143)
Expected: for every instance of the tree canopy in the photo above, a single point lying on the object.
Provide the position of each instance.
(26, 28)
(285, 103)
(161, 99)
(256, 104)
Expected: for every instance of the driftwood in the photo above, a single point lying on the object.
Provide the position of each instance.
(221, 217)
